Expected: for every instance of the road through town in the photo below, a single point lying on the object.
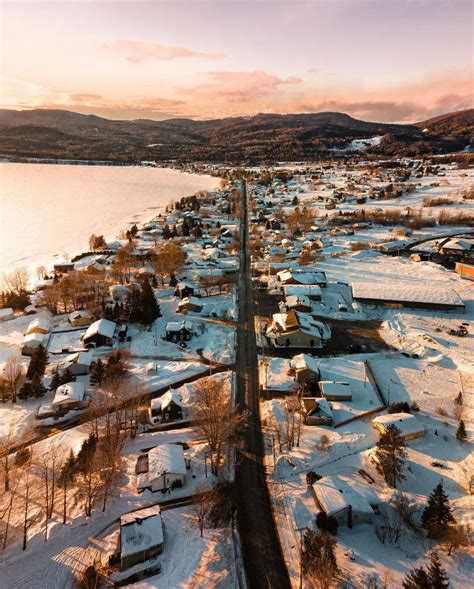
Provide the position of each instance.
(263, 559)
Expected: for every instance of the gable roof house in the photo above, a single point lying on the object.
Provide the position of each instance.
(168, 407)
(79, 363)
(316, 411)
(297, 330)
(31, 342)
(306, 369)
(68, 396)
(178, 331)
(141, 536)
(38, 325)
(80, 318)
(307, 277)
(100, 333)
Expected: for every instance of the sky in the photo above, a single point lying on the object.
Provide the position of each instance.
(380, 60)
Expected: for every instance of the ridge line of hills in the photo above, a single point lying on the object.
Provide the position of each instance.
(54, 133)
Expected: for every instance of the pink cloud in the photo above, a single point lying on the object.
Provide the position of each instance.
(241, 86)
(138, 51)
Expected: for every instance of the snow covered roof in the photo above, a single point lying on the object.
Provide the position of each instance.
(101, 327)
(178, 325)
(309, 290)
(78, 314)
(141, 530)
(69, 393)
(303, 362)
(5, 313)
(335, 495)
(335, 389)
(406, 292)
(166, 399)
(82, 358)
(462, 245)
(407, 423)
(273, 375)
(33, 339)
(166, 458)
(38, 324)
(302, 277)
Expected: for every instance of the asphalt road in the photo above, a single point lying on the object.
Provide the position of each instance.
(263, 559)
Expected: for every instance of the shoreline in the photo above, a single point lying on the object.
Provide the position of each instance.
(139, 216)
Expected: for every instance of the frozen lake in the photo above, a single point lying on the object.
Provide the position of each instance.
(47, 210)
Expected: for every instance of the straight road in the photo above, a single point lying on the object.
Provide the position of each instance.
(263, 559)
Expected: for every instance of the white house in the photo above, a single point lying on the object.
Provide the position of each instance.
(31, 342)
(68, 396)
(79, 363)
(297, 330)
(38, 325)
(166, 468)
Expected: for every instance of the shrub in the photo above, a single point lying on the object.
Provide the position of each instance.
(401, 407)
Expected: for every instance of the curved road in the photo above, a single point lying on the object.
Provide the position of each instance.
(263, 559)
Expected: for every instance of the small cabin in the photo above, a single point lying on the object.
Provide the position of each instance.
(100, 333)
(178, 331)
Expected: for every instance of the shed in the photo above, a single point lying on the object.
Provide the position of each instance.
(407, 423)
(335, 391)
(38, 325)
(80, 318)
(79, 363)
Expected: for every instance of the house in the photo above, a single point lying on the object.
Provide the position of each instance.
(141, 536)
(80, 318)
(316, 411)
(407, 423)
(68, 396)
(335, 391)
(275, 378)
(306, 369)
(166, 468)
(79, 363)
(178, 331)
(183, 290)
(168, 407)
(63, 268)
(100, 333)
(31, 342)
(311, 291)
(458, 249)
(297, 330)
(302, 277)
(349, 502)
(38, 325)
(296, 303)
(190, 304)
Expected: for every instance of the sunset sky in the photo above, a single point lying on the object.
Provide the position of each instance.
(384, 60)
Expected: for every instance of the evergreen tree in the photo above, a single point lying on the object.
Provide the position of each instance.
(173, 280)
(97, 372)
(294, 202)
(38, 362)
(55, 380)
(26, 390)
(66, 376)
(154, 281)
(436, 574)
(197, 231)
(391, 455)
(459, 400)
(148, 308)
(437, 515)
(416, 579)
(185, 228)
(461, 434)
(37, 387)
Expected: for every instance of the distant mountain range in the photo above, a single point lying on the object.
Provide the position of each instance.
(262, 138)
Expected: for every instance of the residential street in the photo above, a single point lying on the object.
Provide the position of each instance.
(263, 559)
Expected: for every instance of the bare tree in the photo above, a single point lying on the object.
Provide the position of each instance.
(168, 259)
(6, 445)
(13, 373)
(17, 280)
(48, 469)
(216, 420)
(8, 511)
(30, 515)
(202, 505)
(456, 536)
